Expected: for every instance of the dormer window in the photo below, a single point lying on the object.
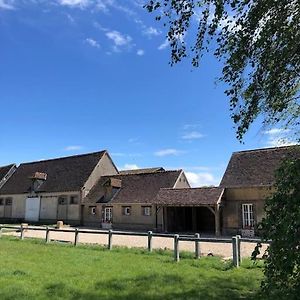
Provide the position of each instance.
(37, 180)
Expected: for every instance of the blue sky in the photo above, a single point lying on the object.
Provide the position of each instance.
(79, 76)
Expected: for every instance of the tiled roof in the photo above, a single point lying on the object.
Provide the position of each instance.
(189, 196)
(4, 170)
(140, 171)
(5, 173)
(138, 188)
(63, 174)
(256, 167)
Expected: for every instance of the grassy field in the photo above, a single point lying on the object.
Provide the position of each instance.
(30, 269)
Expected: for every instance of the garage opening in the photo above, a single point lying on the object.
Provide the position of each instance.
(190, 219)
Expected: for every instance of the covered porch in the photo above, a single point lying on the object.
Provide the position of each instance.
(191, 210)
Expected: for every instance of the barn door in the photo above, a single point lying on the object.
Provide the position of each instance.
(62, 208)
(32, 209)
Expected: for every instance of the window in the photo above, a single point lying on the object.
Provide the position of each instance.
(1, 201)
(74, 199)
(146, 210)
(93, 210)
(108, 214)
(248, 218)
(62, 200)
(8, 201)
(126, 210)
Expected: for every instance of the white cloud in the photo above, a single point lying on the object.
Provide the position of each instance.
(92, 43)
(140, 52)
(130, 167)
(164, 45)
(201, 179)
(4, 4)
(73, 148)
(75, 3)
(192, 135)
(151, 31)
(166, 152)
(277, 137)
(118, 38)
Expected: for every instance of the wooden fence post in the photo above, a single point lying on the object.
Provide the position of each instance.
(235, 252)
(197, 246)
(176, 247)
(76, 237)
(150, 241)
(110, 233)
(238, 245)
(47, 234)
(22, 232)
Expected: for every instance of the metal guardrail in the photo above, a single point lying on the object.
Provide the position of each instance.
(197, 239)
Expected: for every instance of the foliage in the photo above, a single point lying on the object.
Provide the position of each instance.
(35, 270)
(282, 226)
(258, 41)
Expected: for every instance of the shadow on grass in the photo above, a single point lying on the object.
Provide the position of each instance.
(154, 287)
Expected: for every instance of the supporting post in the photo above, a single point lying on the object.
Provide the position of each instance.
(235, 254)
(110, 233)
(217, 221)
(47, 234)
(238, 243)
(22, 232)
(150, 241)
(1, 231)
(176, 247)
(76, 237)
(197, 246)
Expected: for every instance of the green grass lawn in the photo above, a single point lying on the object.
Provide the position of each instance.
(30, 269)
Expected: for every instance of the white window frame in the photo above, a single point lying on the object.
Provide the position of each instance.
(93, 210)
(126, 210)
(108, 214)
(147, 211)
(248, 215)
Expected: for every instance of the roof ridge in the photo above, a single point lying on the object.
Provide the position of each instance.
(147, 173)
(266, 149)
(194, 188)
(62, 158)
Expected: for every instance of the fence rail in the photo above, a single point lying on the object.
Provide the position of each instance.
(197, 239)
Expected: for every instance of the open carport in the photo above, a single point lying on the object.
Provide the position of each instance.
(191, 210)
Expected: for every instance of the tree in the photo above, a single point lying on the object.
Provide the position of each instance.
(259, 44)
(282, 226)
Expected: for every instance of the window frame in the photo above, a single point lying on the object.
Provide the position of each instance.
(248, 215)
(126, 211)
(2, 202)
(8, 201)
(72, 197)
(108, 214)
(93, 210)
(144, 209)
(59, 198)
